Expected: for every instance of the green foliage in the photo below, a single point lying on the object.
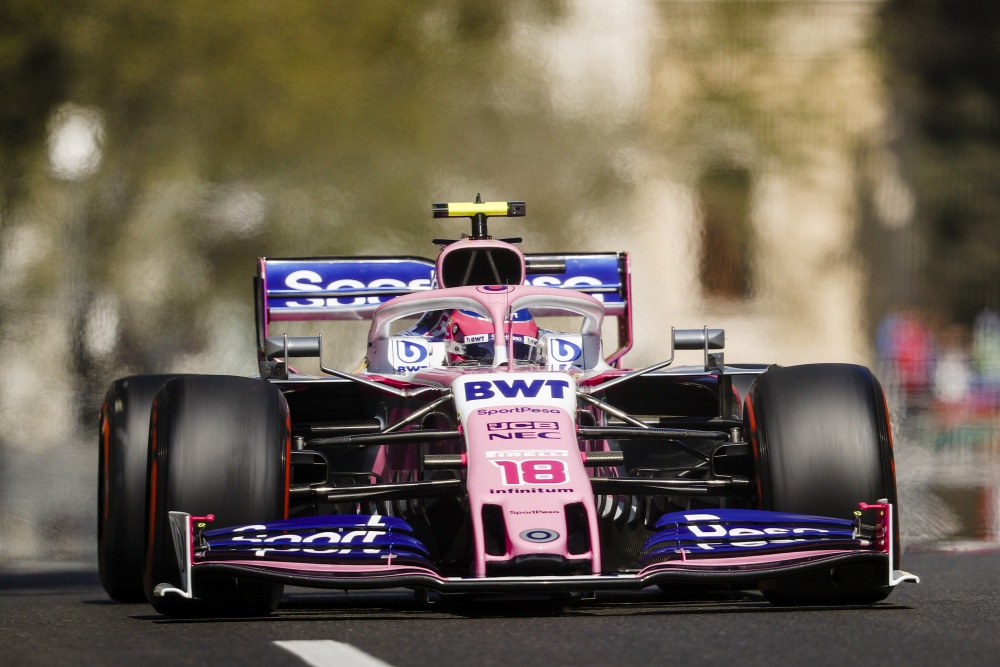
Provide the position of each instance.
(944, 71)
(236, 129)
(33, 78)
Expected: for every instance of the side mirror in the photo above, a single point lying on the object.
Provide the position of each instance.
(699, 339)
(291, 346)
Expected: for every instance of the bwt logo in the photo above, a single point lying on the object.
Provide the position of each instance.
(564, 351)
(477, 391)
(410, 352)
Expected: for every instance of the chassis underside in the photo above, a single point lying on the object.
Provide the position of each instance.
(649, 456)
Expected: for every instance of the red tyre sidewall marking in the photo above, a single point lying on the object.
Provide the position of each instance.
(154, 413)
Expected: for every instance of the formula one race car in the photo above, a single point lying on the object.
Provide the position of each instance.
(490, 446)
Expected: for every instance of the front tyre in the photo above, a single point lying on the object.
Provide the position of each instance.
(123, 433)
(821, 444)
(218, 445)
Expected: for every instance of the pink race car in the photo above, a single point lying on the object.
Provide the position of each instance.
(491, 445)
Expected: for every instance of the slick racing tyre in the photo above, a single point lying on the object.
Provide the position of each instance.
(820, 440)
(123, 433)
(218, 445)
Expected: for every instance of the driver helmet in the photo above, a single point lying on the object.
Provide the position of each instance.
(471, 336)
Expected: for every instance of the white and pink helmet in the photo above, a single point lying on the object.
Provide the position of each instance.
(471, 337)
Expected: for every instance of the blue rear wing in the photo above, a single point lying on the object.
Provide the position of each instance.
(351, 288)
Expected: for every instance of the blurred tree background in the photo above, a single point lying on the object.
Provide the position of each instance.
(256, 128)
(943, 73)
(149, 152)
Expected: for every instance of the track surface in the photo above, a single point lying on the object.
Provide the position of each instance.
(62, 617)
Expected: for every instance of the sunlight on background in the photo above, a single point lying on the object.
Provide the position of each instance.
(74, 142)
(749, 155)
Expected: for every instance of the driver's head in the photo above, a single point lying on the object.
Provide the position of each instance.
(472, 335)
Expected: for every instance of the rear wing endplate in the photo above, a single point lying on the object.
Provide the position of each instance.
(351, 288)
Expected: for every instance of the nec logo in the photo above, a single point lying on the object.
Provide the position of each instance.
(526, 435)
(409, 352)
(564, 351)
(477, 391)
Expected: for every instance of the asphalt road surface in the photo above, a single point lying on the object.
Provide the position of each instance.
(61, 616)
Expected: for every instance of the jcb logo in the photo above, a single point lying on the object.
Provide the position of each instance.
(524, 430)
(519, 426)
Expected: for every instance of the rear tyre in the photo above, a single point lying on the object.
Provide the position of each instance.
(218, 445)
(123, 433)
(821, 444)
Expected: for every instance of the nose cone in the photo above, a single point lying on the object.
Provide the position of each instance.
(530, 495)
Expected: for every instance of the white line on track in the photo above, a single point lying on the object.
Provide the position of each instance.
(328, 653)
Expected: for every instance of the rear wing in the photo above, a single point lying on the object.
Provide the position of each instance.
(351, 288)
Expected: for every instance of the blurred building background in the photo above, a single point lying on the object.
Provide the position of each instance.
(816, 176)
